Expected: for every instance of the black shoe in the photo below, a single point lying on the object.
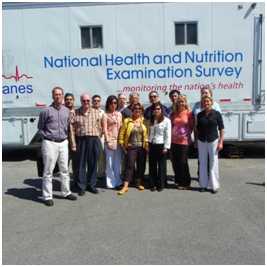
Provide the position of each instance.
(202, 189)
(93, 190)
(153, 189)
(81, 193)
(179, 187)
(188, 187)
(159, 189)
(71, 197)
(214, 191)
(49, 202)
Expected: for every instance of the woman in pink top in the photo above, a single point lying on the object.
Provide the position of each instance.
(111, 123)
(182, 125)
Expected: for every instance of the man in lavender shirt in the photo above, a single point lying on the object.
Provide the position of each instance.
(53, 126)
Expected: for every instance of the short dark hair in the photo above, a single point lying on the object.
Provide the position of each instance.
(57, 88)
(109, 101)
(173, 92)
(95, 96)
(68, 95)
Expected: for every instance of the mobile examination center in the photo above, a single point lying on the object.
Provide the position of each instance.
(107, 48)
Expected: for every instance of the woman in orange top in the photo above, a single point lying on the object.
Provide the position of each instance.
(182, 126)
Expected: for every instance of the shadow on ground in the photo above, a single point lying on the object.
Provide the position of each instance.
(34, 192)
(259, 184)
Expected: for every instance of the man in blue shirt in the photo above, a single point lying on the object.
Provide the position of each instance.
(53, 126)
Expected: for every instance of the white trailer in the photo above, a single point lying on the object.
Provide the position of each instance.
(108, 48)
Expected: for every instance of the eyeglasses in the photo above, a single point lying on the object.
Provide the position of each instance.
(96, 100)
(157, 109)
(153, 96)
(86, 100)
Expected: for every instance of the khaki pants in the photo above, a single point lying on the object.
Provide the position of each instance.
(52, 153)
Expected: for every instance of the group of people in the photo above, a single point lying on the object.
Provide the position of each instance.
(116, 141)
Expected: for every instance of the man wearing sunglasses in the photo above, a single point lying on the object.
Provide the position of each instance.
(133, 99)
(85, 130)
(154, 98)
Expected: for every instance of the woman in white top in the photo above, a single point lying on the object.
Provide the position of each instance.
(159, 143)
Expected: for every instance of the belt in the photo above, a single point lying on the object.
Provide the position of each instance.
(55, 140)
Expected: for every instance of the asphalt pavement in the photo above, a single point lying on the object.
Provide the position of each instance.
(169, 227)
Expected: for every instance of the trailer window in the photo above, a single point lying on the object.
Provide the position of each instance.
(91, 37)
(185, 33)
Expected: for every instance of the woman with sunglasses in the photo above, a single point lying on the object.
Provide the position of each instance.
(182, 127)
(159, 143)
(134, 141)
(111, 123)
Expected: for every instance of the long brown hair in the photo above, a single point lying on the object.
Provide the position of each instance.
(161, 118)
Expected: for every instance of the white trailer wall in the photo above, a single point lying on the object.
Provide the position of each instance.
(127, 29)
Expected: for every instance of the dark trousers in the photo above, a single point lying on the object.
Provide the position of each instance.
(73, 157)
(157, 165)
(88, 149)
(135, 156)
(180, 164)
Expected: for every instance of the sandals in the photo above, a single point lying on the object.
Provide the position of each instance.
(141, 187)
(122, 191)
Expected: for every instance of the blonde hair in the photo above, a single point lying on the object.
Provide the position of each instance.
(138, 105)
(184, 98)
